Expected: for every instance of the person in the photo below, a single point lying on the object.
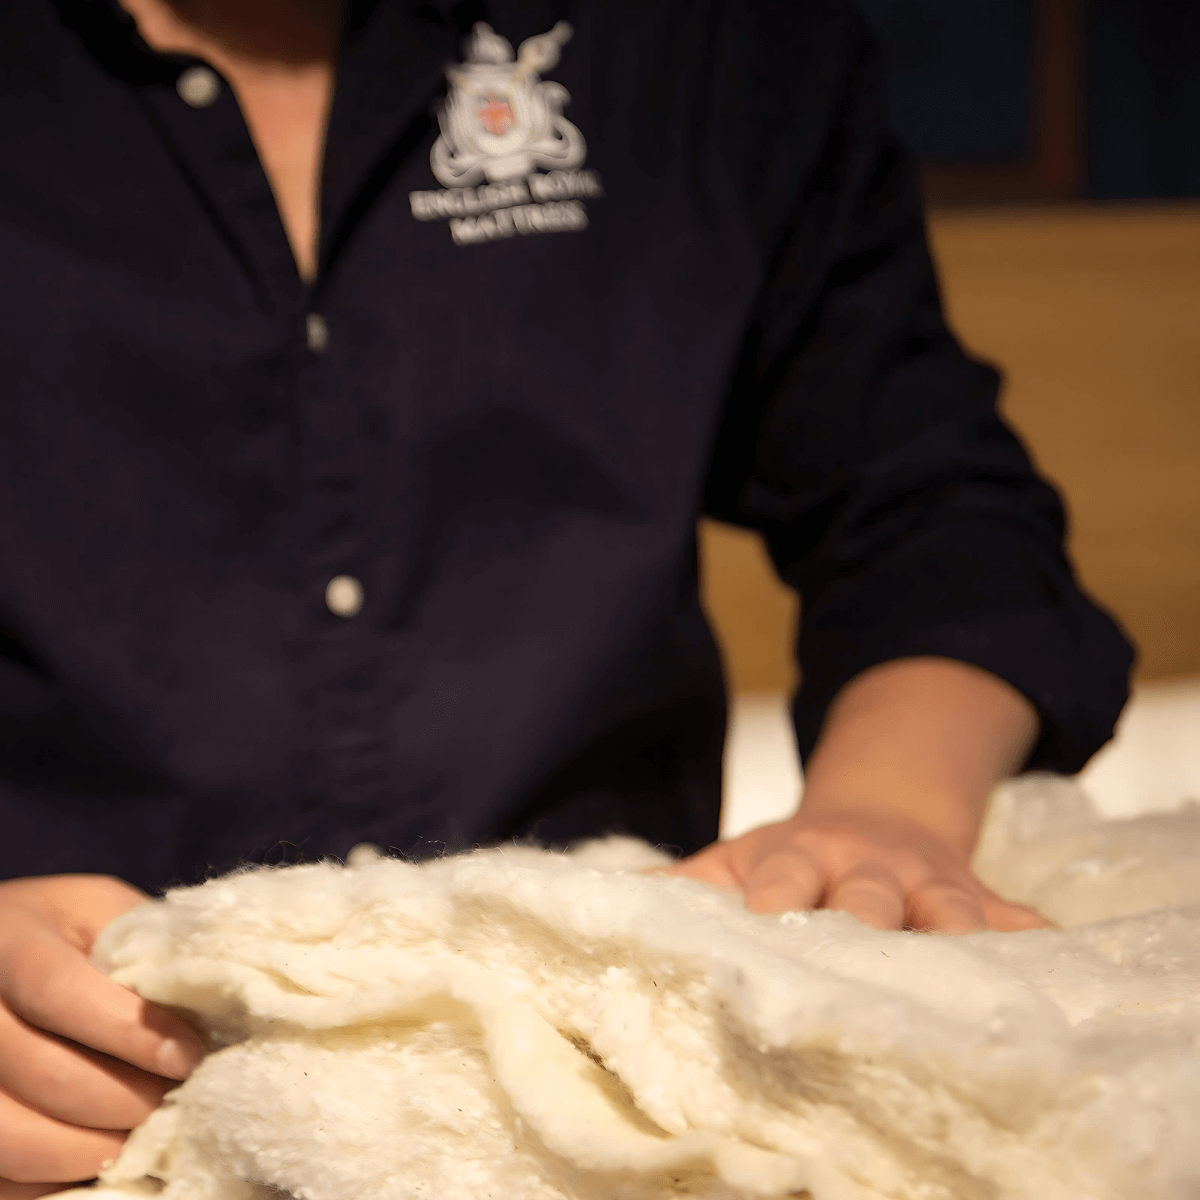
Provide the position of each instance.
(354, 438)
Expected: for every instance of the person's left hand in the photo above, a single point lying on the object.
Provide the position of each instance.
(888, 871)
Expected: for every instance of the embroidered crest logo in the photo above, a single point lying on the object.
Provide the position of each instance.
(502, 125)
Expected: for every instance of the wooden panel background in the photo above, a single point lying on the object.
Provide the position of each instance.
(1094, 315)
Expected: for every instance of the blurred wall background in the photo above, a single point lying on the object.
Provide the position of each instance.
(1061, 148)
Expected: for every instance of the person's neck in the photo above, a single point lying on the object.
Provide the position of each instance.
(295, 33)
(278, 56)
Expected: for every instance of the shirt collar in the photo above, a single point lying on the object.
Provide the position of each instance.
(111, 33)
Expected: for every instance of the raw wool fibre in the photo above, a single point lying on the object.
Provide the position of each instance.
(522, 1025)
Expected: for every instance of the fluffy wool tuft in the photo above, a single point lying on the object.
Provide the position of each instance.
(532, 1026)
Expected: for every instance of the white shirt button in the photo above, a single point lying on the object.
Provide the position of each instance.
(316, 332)
(344, 596)
(198, 86)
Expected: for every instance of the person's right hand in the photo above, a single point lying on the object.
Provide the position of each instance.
(82, 1059)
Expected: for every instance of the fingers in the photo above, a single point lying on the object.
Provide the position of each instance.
(710, 865)
(27, 1191)
(780, 882)
(891, 884)
(10, 1191)
(1006, 917)
(49, 984)
(942, 907)
(787, 881)
(36, 1149)
(872, 894)
(70, 1083)
(64, 1107)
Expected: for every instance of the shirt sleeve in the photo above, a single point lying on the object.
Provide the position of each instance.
(866, 447)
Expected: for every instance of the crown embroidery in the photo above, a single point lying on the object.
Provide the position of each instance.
(502, 126)
(501, 120)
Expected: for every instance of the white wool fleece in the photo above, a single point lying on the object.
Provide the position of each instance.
(518, 1025)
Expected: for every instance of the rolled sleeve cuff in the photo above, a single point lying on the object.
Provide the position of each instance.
(990, 599)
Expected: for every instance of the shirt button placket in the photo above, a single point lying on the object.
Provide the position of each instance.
(344, 657)
(343, 593)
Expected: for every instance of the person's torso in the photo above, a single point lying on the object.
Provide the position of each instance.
(494, 410)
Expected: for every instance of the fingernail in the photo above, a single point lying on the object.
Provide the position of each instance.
(177, 1060)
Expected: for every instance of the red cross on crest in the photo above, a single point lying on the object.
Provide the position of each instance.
(496, 116)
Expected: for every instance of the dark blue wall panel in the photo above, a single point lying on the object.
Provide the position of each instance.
(958, 76)
(1143, 98)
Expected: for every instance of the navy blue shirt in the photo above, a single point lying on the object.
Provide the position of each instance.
(664, 262)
